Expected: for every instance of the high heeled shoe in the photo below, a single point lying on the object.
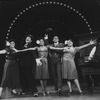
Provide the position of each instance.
(70, 92)
(13, 93)
(81, 93)
(45, 94)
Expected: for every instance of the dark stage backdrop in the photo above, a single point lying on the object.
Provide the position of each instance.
(65, 18)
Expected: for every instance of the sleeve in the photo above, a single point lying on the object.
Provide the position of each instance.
(7, 49)
(34, 54)
(92, 52)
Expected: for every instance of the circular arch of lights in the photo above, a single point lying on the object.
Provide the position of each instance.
(48, 3)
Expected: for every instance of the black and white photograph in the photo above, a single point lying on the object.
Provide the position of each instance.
(49, 49)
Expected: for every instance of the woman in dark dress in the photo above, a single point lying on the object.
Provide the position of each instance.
(10, 77)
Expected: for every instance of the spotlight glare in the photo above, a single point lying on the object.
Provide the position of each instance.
(84, 19)
(11, 24)
(33, 5)
(61, 3)
(77, 12)
(54, 2)
(6, 38)
(36, 4)
(50, 2)
(15, 17)
(89, 28)
(58, 3)
(10, 27)
(40, 3)
(47, 2)
(68, 6)
(43, 3)
(30, 7)
(86, 22)
(74, 10)
(21, 13)
(23, 10)
(64, 4)
(26, 8)
(7, 34)
(8, 30)
(13, 21)
(82, 16)
(71, 8)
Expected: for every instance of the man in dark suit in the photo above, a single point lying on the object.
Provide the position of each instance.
(27, 68)
(55, 56)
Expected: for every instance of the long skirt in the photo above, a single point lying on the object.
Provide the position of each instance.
(69, 70)
(42, 71)
(10, 77)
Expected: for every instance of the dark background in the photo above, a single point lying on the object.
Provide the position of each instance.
(47, 19)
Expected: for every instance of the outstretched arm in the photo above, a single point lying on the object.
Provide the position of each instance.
(86, 45)
(3, 51)
(57, 48)
(34, 48)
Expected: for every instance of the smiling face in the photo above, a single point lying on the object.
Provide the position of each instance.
(28, 39)
(56, 39)
(12, 44)
(41, 42)
(70, 43)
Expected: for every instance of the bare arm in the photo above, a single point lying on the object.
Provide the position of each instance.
(3, 51)
(57, 48)
(86, 45)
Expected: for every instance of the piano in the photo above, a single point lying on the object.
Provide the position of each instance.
(91, 69)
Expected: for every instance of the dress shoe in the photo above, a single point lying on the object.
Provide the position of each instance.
(35, 94)
(59, 92)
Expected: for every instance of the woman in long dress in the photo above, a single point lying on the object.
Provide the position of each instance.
(10, 77)
(42, 72)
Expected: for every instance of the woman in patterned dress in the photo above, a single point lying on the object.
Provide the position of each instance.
(10, 77)
(69, 70)
(42, 72)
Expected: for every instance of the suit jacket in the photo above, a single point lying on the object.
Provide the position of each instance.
(27, 58)
(56, 54)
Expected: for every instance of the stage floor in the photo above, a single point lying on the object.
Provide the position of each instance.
(95, 95)
(52, 97)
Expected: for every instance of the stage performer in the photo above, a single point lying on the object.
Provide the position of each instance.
(28, 69)
(55, 56)
(10, 77)
(69, 70)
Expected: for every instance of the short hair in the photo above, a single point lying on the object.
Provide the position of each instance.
(55, 37)
(29, 35)
(11, 40)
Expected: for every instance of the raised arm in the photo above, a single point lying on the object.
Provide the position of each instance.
(86, 45)
(3, 51)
